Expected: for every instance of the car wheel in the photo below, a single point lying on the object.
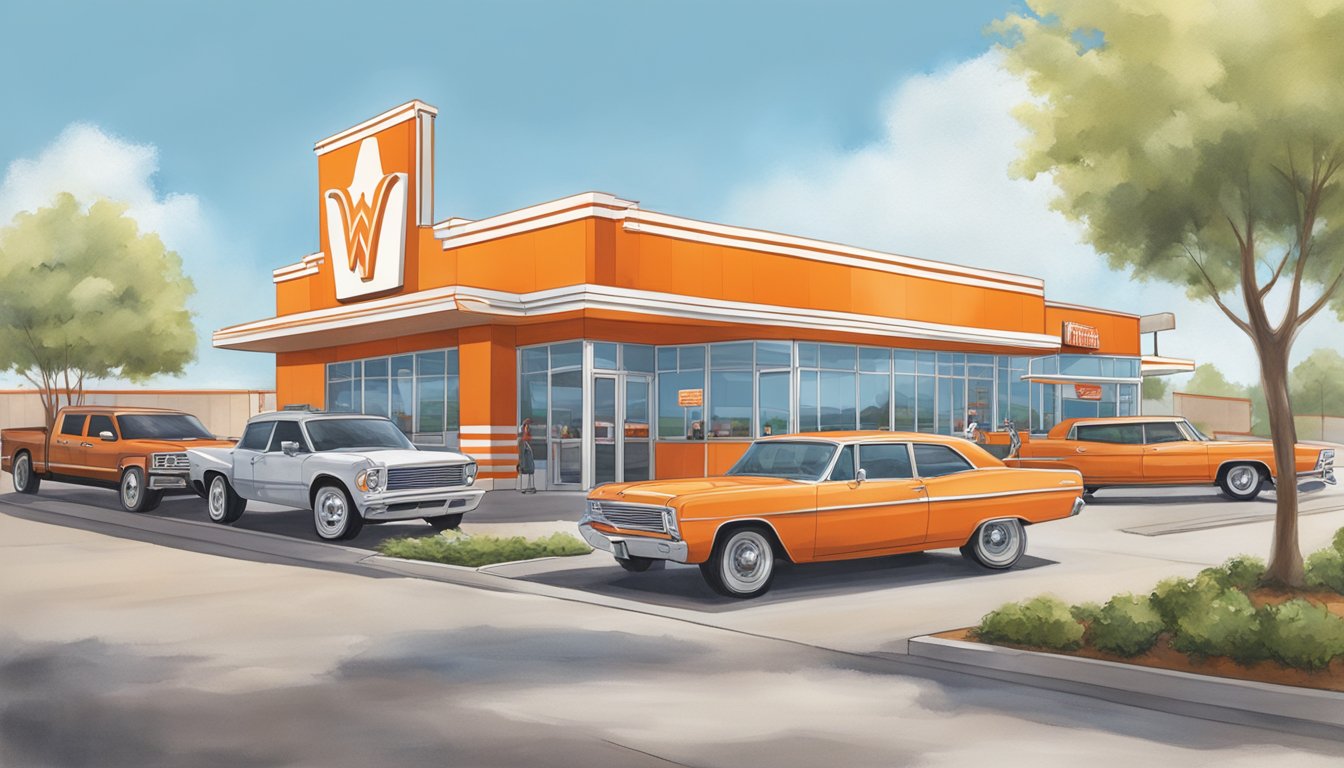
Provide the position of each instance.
(25, 479)
(635, 564)
(445, 522)
(152, 500)
(222, 503)
(334, 514)
(135, 496)
(1241, 482)
(742, 564)
(998, 544)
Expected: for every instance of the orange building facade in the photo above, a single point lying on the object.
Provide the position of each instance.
(628, 344)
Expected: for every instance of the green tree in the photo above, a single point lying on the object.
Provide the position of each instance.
(1208, 380)
(1200, 144)
(1154, 388)
(1317, 384)
(85, 295)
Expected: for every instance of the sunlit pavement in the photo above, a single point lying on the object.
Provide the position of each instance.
(117, 651)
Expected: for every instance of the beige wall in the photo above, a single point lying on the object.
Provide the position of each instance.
(1214, 414)
(1310, 428)
(224, 412)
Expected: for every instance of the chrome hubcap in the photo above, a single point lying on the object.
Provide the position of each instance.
(21, 473)
(995, 539)
(130, 489)
(747, 562)
(1242, 478)
(330, 511)
(217, 498)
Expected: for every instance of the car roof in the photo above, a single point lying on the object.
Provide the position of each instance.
(869, 436)
(1118, 420)
(311, 416)
(113, 410)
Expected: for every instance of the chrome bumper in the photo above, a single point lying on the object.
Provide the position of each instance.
(1327, 475)
(163, 479)
(1078, 505)
(626, 547)
(413, 505)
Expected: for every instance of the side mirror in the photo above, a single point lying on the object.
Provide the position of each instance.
(290, 447)
(107, 436)
(861, 476)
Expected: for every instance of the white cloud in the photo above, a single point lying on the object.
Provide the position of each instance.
(90, 164)
(936, 185)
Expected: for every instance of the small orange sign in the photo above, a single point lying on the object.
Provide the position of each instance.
(1079, 335)
(1087, 391)
(690, 398)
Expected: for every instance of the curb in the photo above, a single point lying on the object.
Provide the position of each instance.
(1304, 711)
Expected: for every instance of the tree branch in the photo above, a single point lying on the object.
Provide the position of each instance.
(1267, 287)
(1324, 298)
(1213, 289)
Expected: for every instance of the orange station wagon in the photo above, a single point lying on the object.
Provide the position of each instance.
(1165, 450)
(830, 496)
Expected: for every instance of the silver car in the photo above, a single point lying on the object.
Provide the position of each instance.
(348, 468)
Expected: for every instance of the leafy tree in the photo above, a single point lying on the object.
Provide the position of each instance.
(1208, 380)
(1199, 143)
(1317, 384)
(1154, 388)
(85, 295)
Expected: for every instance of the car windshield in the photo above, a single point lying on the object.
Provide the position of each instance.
(349, 434)
(788, 460)
(162, 426)
(1195, 431)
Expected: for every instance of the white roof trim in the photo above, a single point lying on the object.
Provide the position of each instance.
(1098, 310)
(306, 266)
(408, 111)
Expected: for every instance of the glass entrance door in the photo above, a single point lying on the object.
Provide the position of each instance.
(622, 449)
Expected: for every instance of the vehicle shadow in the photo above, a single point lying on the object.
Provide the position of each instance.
(681, 586)
(1190, 496)
(290, 523)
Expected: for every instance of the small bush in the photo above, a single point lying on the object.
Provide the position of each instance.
(1176, 598)
(475, 551)
(1325, 570)
(1086, 612)
(1339, 540)
(1041, 622)
(1226, 625)
(1241, 572)
(1303, 635)
(1128, 625)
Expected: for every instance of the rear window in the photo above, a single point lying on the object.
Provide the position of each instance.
(938, 460)
(73, 424)
(1126, 434)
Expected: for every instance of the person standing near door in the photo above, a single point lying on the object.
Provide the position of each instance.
(526, 465)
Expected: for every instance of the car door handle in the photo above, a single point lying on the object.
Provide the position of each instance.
(919, 488)
(1080, 450)
(86, 445)
(255, 459)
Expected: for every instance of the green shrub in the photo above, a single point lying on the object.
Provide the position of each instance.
(1303, 635)
(1175, 598)
(1325, 570)
(1041, 622)
(1225, 625)
(1339, 540)
(1086, 612)
(1241, 572)
(475, 551)
(1128, 625)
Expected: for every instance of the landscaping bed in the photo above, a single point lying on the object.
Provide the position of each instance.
(475, 551)
(1224, 622)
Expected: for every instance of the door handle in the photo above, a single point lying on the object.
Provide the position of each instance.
(919, 488)
(86, 445)
(255, 459)
(1080, 450)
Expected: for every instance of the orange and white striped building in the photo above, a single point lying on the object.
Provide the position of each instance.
(632, 344)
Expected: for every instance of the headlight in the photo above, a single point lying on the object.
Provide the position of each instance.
(470, 475)
(370, 480)
(594, 511)
(670, 521)
(1327, 457)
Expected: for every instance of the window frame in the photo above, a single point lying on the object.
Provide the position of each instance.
(83, 422)
(272, 447)
(116, 433)
(909, 455)
(243, 438)
(914, 457)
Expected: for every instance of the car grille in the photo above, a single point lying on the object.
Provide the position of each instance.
(170, 461)
(633, 517)
(409, 478)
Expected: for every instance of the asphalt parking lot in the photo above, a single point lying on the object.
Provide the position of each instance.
(1123, 541)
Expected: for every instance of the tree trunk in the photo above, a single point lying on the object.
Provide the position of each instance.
(1285, 561)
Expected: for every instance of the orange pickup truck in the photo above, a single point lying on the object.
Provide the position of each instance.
(141, 452)
(1165, 450)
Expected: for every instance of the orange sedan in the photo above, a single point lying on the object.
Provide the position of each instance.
(830, 496)
(1165, 450)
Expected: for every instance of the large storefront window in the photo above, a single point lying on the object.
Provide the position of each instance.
(680, 368)
(418, 392)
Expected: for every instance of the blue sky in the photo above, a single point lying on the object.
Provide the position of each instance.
(756, 113)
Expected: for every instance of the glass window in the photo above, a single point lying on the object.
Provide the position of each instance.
(837, 357)
(781, 458)
(345, 434)
(535, 359)
(951, 364)
(844, 465)
(100, 424)
(1124, 434)
(1128, 399)
(735, 355)
(981, 366)
(256, 436)
(926, 363)
(730, 403)
(637, 357)
(926, 412)
(667, 358)
(340, 371)
(604, 355)
(403, 365)
(402, 401)
(163, 426)
(691, 358)
(567, 405)
(938, 460)
(808, 416)
(903, 361)
(874, 401)
(427, 364)
(903, 407)
(838, 409)
(287, 432)
(73, 424)
(430, 392)
(376, 397)
(374, 367)
(771, 354)
(675, 421)
(807, 356)
(773, 402)
(567, 355)
(1162, 432)
(885, 461)
(873, 360)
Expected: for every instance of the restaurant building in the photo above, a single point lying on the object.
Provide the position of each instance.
(631, 344)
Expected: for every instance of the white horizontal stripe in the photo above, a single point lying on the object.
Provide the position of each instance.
(1063, 305)
(408, 111)
(902, 502)
(504, 430)
(456, 228)
(487, 443)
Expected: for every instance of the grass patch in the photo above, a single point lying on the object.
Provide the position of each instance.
(475, 551)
